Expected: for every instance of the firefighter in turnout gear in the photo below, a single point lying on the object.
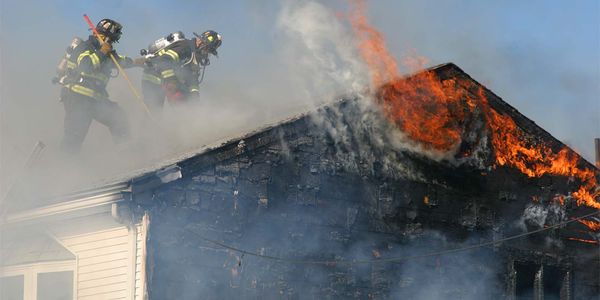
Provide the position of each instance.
(174, 67)
(84, 73)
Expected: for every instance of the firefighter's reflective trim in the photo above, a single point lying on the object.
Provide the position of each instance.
(100, 76)
(170, 53)
(194, 89)
(83, 90)
(151, 78)
(87, 92)
(71, 65)
(167, 73)
(93, 57)
(173, 54)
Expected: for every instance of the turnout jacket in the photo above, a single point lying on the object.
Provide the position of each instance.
(176, 63)
(89, 70)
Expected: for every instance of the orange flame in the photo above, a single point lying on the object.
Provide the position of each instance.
(432, 112)
(593, 225)
(422, 106)
(512, 149)
(372, 46)
(583, 240)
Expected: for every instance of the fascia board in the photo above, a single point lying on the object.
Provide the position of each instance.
(67, 208)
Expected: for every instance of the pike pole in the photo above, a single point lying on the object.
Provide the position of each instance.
(121, 71)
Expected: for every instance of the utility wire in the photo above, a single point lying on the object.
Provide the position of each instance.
(389, 259)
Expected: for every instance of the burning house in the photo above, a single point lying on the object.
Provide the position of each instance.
(437, 189)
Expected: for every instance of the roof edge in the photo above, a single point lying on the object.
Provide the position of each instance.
(79, 202)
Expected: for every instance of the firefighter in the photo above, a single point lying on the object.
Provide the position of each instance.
(84, 74)
(174, 67)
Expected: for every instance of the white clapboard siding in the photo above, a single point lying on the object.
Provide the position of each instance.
(120, 294)
(104, 263)
(140, 251)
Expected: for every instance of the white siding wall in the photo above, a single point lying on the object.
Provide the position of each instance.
(140, 257)
(105, 263)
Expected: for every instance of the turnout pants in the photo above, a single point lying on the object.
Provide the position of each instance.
(154, 94)
(80, 110)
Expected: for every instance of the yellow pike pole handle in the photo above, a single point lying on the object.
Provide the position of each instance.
(121, 71)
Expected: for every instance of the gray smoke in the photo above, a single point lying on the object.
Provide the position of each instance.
(320, 51)
(323, 54)
(538, 215)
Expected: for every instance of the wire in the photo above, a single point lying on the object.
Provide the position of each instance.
(389, 259)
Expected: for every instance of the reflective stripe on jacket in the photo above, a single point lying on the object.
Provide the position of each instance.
(82, 90)
(151, 78)
(93, 69)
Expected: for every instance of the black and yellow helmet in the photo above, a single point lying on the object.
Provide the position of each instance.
(109, 28)
(210, 39)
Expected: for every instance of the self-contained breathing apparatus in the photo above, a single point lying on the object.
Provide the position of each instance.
(199, 58)
(66, 65)
(210, 42)
(161, 44)
(65, 70)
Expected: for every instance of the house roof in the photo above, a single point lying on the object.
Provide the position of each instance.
(32, 249)
(177, 166)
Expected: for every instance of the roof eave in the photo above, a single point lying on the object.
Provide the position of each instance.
(80, 203)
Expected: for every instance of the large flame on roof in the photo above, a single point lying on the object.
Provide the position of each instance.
(418, 105)
(432, 113)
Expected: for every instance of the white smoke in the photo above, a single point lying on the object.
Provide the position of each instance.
(537, 215)
(320, 50)
(322, 54)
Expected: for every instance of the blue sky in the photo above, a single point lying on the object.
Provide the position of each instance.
(540, 56)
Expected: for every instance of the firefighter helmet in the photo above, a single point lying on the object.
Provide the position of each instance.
(211, 40)
(111, 29)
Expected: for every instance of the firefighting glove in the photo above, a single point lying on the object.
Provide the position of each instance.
(106, 48)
